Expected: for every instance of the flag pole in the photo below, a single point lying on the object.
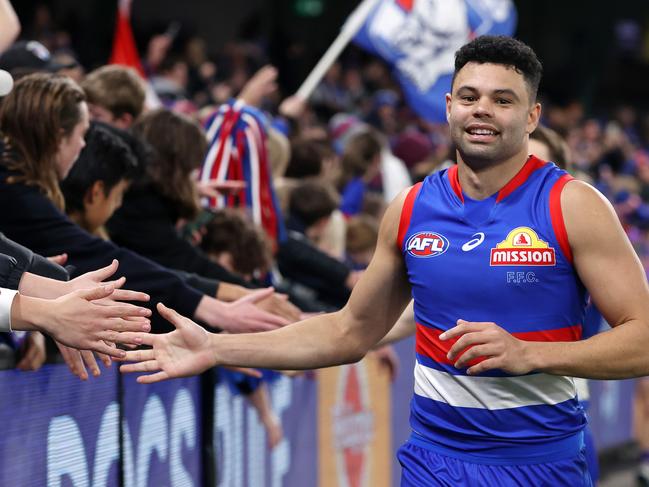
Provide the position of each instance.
(349, 30)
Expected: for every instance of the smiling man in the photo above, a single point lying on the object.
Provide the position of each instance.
(498, 253)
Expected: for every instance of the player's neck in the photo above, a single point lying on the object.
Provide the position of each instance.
(481, 180)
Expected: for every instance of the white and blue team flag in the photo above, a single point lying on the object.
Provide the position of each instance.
(418, 38)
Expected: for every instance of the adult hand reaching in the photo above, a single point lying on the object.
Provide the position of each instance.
(278, 303)
(33, 352)
(94, 278)
(79, 361)
(244, 315)
(240, 316)
(80, 319)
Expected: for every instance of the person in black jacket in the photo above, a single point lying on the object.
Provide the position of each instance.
(43, 121)
(310, 207)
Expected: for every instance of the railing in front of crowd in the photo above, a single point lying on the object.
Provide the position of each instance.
(342, 426)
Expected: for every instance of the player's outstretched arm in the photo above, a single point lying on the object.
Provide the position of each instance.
(342, 337)
(616, 281)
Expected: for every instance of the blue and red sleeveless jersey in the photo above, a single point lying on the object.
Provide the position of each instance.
(505, 259)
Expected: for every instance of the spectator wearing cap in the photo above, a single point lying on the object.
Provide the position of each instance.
(69, 65)
(27, 57)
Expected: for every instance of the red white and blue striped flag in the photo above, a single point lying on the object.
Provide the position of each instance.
(237, 137)
(418, 38)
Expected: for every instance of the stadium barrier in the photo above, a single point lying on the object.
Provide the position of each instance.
(342, 426)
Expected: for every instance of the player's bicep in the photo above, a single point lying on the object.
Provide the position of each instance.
(382, 293)
(603, 256)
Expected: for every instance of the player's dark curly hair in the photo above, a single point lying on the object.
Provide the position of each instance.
(502, 50)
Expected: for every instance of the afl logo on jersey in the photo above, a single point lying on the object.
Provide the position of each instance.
(427, 244)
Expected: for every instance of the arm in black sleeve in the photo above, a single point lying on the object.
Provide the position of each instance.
(302, 261)
(152, 234)
(10, 272)
(203, 284)
(28, 261)
(37, 224)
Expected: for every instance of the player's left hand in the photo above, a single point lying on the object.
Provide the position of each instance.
(489, 343)
(183, 352)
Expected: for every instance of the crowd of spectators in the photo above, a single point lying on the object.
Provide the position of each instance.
(332, 164)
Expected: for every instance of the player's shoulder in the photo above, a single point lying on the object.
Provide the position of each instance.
(397, 210)
(587, 212)
(578, 195)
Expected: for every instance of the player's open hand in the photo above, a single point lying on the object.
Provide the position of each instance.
(183, 352)
(483, 346)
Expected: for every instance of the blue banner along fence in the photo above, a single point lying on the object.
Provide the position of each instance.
(342, 427)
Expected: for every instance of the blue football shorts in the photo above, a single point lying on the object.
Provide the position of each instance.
(426, 468)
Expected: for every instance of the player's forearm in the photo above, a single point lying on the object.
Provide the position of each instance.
(616, 354)
(321, 341)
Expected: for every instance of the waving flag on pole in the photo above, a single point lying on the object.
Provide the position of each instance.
(124, 48)
(418, 38)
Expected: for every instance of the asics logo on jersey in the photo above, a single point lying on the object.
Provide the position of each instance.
(427, 244)
(477, 239)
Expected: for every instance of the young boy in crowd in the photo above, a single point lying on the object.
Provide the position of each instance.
(95, 186)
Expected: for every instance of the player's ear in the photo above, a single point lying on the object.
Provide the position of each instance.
(533, 117)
